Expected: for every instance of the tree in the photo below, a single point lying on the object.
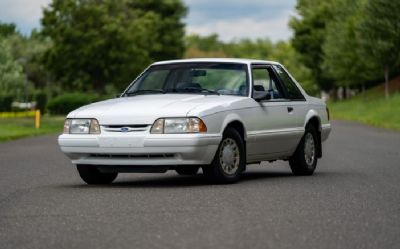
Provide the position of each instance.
(379, 35)
(309, 36)
(11, 72)
(247, 48)
(204, 46)
(170, 31)
(341, 49)
(7, 29)
(102, 42)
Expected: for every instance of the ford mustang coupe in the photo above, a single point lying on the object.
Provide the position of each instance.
(215, 114)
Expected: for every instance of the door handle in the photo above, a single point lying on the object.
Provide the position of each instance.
(290, 109)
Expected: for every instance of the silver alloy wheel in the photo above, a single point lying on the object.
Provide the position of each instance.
(229, 156)
(309, 149)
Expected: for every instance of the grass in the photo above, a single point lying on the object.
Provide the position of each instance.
(13, 128)
(370, 108)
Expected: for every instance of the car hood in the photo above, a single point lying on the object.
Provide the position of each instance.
(145, 109)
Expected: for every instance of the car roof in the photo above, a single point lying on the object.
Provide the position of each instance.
(221, 60)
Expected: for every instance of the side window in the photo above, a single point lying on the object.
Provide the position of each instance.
(291, 87)
(263, 80)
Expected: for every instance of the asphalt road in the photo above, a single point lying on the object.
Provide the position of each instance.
(353, 201)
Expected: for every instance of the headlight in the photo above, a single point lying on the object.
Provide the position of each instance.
(178, 125)
(81, 126)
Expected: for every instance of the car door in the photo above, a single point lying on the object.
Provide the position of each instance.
(273, 120)
(296, 101)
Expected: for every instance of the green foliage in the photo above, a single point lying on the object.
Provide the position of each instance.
(342, 52)
(379, 32)
(31, 51)
(253, 49)
(204, 46)
(309, 36)
(7, 29)
(379, 36)
(5, 102)
(41, 101)
(348, 42)
(11, 72)
(96, 43)
(204, 43)
(20, 67)
(68, 102)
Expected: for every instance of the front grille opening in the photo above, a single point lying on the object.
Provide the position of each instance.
(126, 128)
(130, 126)
(132, 156)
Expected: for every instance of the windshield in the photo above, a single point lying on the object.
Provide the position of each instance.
(196, 78)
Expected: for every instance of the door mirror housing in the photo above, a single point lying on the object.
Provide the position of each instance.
(261, 95)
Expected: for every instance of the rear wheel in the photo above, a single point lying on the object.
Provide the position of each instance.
(187, 170)
(304, 160)
(229, 161)
(91, 175)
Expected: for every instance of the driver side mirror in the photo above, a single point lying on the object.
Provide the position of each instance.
(261, 95)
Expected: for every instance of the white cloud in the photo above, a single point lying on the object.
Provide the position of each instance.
(275, 29)
(228, 18)
(25, 13)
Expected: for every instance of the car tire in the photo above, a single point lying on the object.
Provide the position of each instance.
(91, 175)
(229, 161)
(304, 160)
(187, 170)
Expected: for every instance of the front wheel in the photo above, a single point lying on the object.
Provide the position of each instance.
(304, 160)
(229, 161)
(91, 175)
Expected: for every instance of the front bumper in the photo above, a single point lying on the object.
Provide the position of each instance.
(140, 149)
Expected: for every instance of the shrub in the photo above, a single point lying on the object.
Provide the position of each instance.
(5, 103)
(68, 102)
(41, 101)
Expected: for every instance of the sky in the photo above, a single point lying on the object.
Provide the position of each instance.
(230, 19)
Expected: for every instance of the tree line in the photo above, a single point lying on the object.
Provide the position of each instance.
(348, 43)
(101, 46)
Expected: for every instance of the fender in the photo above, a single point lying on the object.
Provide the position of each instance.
(232, 117)
(312, 114)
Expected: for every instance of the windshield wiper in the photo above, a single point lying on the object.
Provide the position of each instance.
(192, 90)
(138, 92)
(210, 91)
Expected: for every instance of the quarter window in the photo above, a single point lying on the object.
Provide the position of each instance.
(292, 90)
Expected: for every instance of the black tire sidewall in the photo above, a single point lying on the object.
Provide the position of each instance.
(215, 171)
(298, 162)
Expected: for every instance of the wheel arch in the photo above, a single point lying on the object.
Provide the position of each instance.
(313, 119)
(236, 122)
(238, 126)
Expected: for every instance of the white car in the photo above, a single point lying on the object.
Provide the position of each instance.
(214, 114)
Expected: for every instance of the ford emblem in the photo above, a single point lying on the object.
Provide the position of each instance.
(124, 129)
